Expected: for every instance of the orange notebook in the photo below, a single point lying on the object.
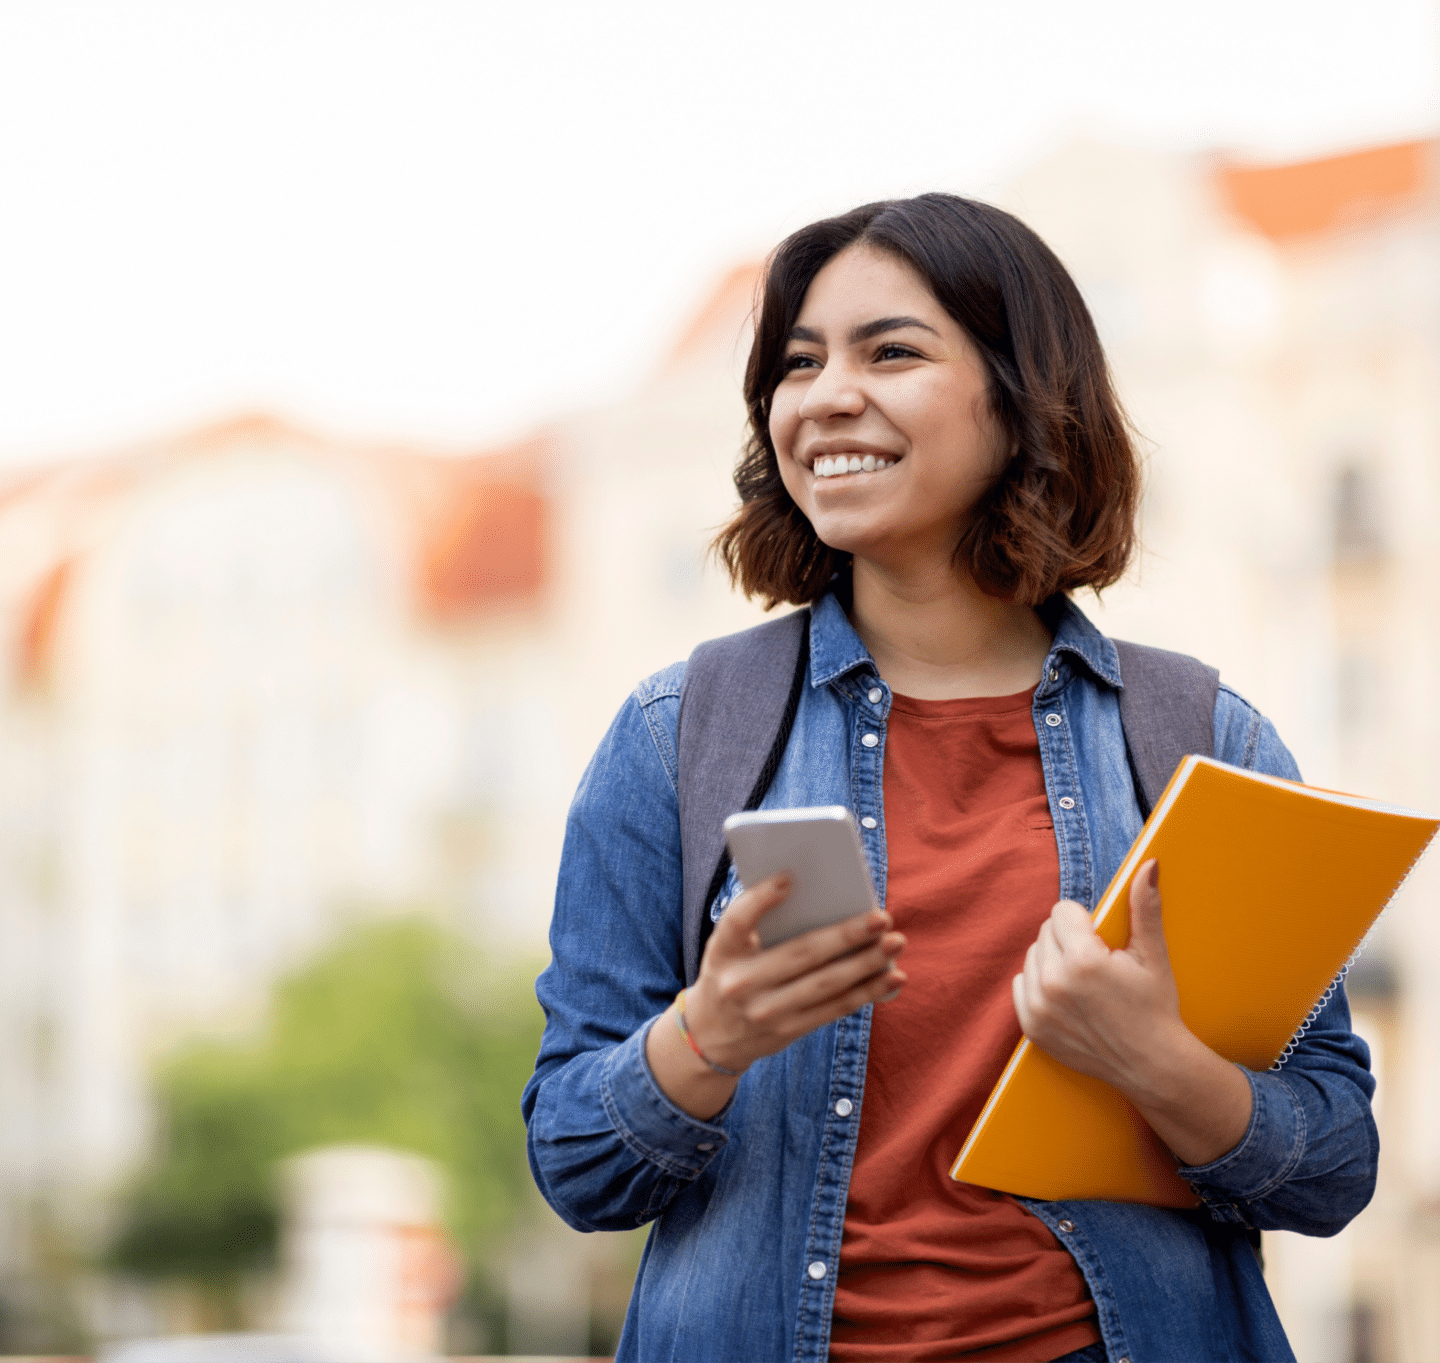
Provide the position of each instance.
(1268, 888)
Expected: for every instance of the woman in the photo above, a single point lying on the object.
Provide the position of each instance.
(936, 461)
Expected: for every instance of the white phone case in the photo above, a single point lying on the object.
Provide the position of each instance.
(820, 849)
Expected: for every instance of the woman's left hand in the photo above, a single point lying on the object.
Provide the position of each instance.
(1115, 1014)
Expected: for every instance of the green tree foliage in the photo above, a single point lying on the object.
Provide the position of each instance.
(400, 1035)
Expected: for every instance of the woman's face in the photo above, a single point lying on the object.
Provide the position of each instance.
(877, 372)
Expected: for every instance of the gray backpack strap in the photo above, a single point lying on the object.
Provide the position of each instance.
(737, 705)
(1167, 709)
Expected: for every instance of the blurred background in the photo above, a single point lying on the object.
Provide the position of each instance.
(369, 388)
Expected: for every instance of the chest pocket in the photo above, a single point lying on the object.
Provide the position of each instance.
(1037, 815)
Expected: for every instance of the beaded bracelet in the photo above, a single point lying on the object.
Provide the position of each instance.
(694, 1046)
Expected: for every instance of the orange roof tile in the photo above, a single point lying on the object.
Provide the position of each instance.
(475, 525)
(1309, 197)
(720, 316)
(483, 531)
(40, 622)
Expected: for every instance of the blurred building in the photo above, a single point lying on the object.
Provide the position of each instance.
(1276, 335)
(222, 726)
(368, 1271)
(254, 680)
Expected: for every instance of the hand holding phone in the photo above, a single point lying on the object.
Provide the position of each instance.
(819, 848)
(750, 1000)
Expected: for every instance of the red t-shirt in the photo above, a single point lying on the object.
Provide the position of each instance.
(931, 1268)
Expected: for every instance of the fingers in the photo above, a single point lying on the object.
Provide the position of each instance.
(1022, 1002)
(1147, 926)
(812, 949)
(754, 1000)
(1061, 960)
(835, 980)
(788, 960)
(1030, 975)
(762, 1019)
(876, 988)
(1070, 925)
(736, 926)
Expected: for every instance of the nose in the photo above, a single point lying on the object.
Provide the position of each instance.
(834, 391)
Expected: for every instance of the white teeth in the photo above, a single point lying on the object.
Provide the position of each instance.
(834, 467)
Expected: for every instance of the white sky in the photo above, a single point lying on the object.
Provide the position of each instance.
(447, 221)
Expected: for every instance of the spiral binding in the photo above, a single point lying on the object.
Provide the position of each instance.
(1325, 998)
(1345, 969)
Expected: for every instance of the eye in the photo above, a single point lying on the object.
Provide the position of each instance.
(893, 350)
(799, 360)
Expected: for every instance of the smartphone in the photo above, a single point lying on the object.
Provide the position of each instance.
(819, 847)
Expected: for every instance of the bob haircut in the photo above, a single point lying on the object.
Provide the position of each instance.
(1061, 515)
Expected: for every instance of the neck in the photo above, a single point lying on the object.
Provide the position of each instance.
(935, 635)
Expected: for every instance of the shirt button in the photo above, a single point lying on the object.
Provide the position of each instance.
(869, 821)
(706, 1145)
(870, 740)
(816, 1270)
(876, 695)
(1054, 675)
(844, 1108)
(1052, 720)
(1066, 802)
(1066, 1226)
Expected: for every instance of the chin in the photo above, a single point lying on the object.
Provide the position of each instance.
(846, 540)
(867, 536)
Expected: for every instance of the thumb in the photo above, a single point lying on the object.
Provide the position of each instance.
(747, 909)
(1147, 927)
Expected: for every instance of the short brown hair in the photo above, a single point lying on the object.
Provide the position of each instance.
(1062, 513)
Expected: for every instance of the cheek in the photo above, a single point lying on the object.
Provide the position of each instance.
(991, 436)
(783, 422)
(928, 414)
(962, 426)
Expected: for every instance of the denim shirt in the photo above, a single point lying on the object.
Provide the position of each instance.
(749, 1207)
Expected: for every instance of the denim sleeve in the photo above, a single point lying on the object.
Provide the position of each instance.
(1308, 1160)
(608, 1150)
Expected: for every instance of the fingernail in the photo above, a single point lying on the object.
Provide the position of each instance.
(783, 882)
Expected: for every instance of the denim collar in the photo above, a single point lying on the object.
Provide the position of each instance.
(1076, 636)
(836, 650)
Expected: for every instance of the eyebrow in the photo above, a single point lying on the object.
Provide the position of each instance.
(866, 330)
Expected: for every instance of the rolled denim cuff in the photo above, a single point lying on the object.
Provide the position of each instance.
(1265, 1157)
(647, 1121)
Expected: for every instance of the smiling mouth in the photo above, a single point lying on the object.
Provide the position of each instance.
(833, 467)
